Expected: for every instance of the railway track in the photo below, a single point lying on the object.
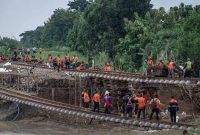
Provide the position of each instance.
(24, 98)
(121, 76)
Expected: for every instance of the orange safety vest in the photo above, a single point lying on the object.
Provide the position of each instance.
(67, 58)
(96, 98)
(171, 65)
(157, 101)
(86, 97)
(59, 61)
(141, 102)
(173, 101)
(108, 68)
(150, 62)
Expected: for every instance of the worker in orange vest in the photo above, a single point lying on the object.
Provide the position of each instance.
(67, 61)
(59, 62)
(150, 66)
(86, 100)
(155, 107)
(141, 106)
(96, 100)
(171, 68)
(173, 108)
(150, 62)
(107, 67)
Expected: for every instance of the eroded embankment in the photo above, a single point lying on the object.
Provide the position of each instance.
(26, 120)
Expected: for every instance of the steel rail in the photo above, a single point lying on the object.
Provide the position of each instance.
(11, 95)
(130, 77)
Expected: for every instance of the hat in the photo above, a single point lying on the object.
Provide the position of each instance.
(107, 92)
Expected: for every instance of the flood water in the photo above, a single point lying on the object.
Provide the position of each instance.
(52, 128)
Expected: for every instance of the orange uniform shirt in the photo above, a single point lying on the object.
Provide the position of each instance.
(86, 97)
(141, 102)
(157, 101)
(171, 65)
(150, 62)
(108, 68)
(96, 98)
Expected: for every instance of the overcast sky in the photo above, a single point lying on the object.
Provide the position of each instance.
(17, 16)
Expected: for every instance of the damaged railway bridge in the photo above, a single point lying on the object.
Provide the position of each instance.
(60, 92)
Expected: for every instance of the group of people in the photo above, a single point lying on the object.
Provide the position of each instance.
(167, 69)
(69, 63)
(96, 99)
(33, 59)
(132, 104)
(59, 62)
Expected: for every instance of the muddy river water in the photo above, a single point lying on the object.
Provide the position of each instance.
(52, 128)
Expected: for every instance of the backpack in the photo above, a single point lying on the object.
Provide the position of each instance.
(154, 104)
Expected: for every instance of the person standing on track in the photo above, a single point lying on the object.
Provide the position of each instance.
(67, 61)
(155, 107)
(50, 60)
(86, 100)
(141, 106)
(129, 105)
(107, 67)
(107, 102)
(123, 107)
(173, 108)
(150, 66)
(96, 100)
(170, 66)
(59, 62)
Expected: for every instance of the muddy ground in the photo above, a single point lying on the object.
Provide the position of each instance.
(33, 121)
(32, 127)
